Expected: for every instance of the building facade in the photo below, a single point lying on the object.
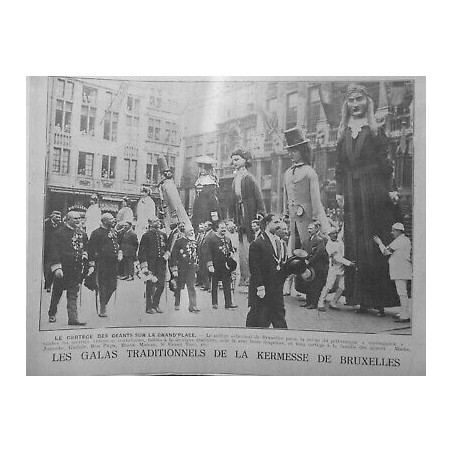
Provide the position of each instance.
(105, 137)
(255, 114)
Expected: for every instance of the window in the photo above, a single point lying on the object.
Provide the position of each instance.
(60, 163)
(172, 163)
(130, 170)
(111, 126)
(249, 137)
(313, 116)
(64, 89)
(132, 128)
(63, 116)
(167, 132)
(85, 164)
(291, 115)
(266, 167)
(152, 169)
(133, 105)
(87, 120)
(272, 109)
(150, 134)
(173, 133)
(157, 129)
(89, 95)
(108, 167)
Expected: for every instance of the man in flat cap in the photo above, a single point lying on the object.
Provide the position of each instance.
(51, 224)
(303, 202)
(93, 214)
(247, 205)
(104, 255)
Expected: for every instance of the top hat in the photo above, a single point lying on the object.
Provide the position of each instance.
(294, 137)
(231, 264)
(296, 266)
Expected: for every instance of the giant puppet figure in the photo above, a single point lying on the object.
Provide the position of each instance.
(173, 209)
(145, 211)
(301, 183)
(247, 206)
(365, 187)
(205, 206)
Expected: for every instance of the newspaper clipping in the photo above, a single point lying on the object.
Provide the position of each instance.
(236, 225)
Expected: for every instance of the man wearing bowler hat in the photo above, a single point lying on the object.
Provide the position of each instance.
(303, 201)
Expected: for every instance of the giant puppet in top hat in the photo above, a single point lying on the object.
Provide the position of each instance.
(296, 140)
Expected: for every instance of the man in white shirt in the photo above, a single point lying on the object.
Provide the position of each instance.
(335, 250)
(400, 268)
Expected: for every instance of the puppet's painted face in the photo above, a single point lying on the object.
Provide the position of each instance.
(238, 161)
(357, 104)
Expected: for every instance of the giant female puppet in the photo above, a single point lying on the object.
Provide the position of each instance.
(365, 187)
(205, 206)
(247, 205)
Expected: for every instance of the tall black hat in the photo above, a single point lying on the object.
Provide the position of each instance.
(294, 137)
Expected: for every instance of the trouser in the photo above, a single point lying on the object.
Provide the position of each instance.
(48, 276)
(334, 276)
(106, 288)
(226, 279)
(288, 284)
(264, 315)
(244, 250)
(314, 288)
(71, 294)
(126, 266)
(154, 292)
(186, 278)
(405, 302)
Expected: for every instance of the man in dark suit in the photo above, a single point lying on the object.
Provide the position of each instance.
(219, 253)
(50, 226)
(104, 254)
(66, 256)
(183, 265)
(153, 253)
(128, 243)
(318, 259)
(204, 277)
(265, 294)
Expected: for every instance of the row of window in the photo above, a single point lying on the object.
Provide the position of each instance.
(60, 164)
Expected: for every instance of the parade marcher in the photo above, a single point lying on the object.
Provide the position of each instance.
(303, 202)
(265, 295)
(247, 205)
(317, 258)
(153, 254)
(125, 213)
(66, 257)
(204, 274)
(205, 206)
(335, 250)
(92, 216)
(145, 211)
(234, 236)
(400, 268)
(365, 189)
(183, 264)
(104, 255)
(220, 263)
(50, 226)
(128, 244)
(256, 227)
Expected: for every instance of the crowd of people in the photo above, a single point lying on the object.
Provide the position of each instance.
(358, 249)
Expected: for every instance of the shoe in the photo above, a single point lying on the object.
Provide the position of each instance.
(402, 320)
(381, 314)
(195, 310)
(303, 304)
(231, 306)
(130, 278)
(311, 306)
(286, 294)
(157, 309)
(176, 308)
(320, 308)
(103, 311)
(52, 319)
(76, 323)
(48, 290)
(333, 306)
(122, 277)
(215, 306)
(150, 311)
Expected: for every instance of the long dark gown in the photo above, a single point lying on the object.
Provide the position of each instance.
(364, 176)
(205, 205)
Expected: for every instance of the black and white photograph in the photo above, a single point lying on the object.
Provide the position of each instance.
(238, 204)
